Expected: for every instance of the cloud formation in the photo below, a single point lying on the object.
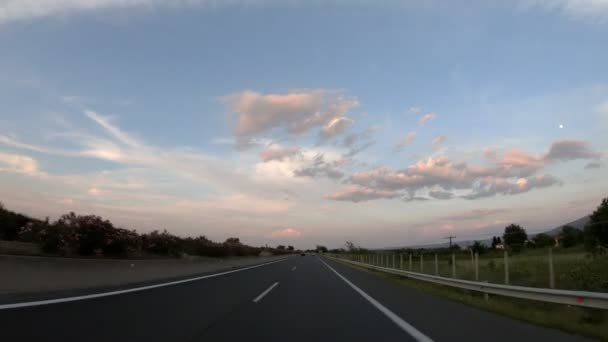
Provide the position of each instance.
(593, 165)
(565, 150)
(361, 194)
(516, 172)
(439, 194)
(320, 167)
(582, 9)
(359, 141)
(13, 10)
(293, 113)
(438, 142)
(426, 118)
(18, 163)
(405, 141)
(278, 153)
(286, 233)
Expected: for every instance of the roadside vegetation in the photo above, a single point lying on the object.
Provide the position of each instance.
(580, 262)
(579, 258)
(576, 320)
(90, 235)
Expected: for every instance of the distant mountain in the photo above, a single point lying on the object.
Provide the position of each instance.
(578, 224)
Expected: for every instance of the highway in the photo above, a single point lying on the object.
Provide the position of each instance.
(298, 299)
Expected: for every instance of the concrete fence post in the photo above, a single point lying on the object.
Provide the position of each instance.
(472, 259)
(476, 266)
(506, 268)
(421, 263)
(453, 265)
(436, 265)
(410, 264)
(401, 262)
(394, 260)
(551, 275)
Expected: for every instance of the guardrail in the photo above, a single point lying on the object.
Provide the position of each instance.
(575, 298)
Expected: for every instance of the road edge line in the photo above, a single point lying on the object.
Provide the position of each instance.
(405, 326)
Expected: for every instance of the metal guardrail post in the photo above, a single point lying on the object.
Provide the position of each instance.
(401, 261)
(394, 260)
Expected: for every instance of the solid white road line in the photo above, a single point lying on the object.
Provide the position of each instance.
(408, 328)
(135, 289)
(258, 298)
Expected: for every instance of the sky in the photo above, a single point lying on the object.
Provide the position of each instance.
(385, 123)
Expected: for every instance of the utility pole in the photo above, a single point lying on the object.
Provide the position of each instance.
(450, 237)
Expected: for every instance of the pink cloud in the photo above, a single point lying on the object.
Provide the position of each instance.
(426, 118)
(489, 153)
(360, 194)
(278, 153)
(438, 142)
(286, 233)
(296, 112)
(405, 141)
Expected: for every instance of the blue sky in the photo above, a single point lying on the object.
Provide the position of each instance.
(386, 122)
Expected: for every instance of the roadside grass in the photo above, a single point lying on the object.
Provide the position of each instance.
(528, 268)
(575, 320)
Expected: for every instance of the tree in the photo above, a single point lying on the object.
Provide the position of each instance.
(596, 231)
(514, 235)
(280, 247)
(496, 241)
(290, 248)
(233, 241)
(478, 247)
(571, 236)
(543, 240)
(321, 249)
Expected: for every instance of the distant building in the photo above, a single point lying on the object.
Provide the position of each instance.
(500, 246)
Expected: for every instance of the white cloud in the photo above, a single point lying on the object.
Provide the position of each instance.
(406, 141)
(19, 164)
(335, 127)
(113, 130)
(13, 10)
(426, 118)
(580, 9)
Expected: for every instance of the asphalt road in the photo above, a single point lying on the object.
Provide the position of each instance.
(298, 299)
